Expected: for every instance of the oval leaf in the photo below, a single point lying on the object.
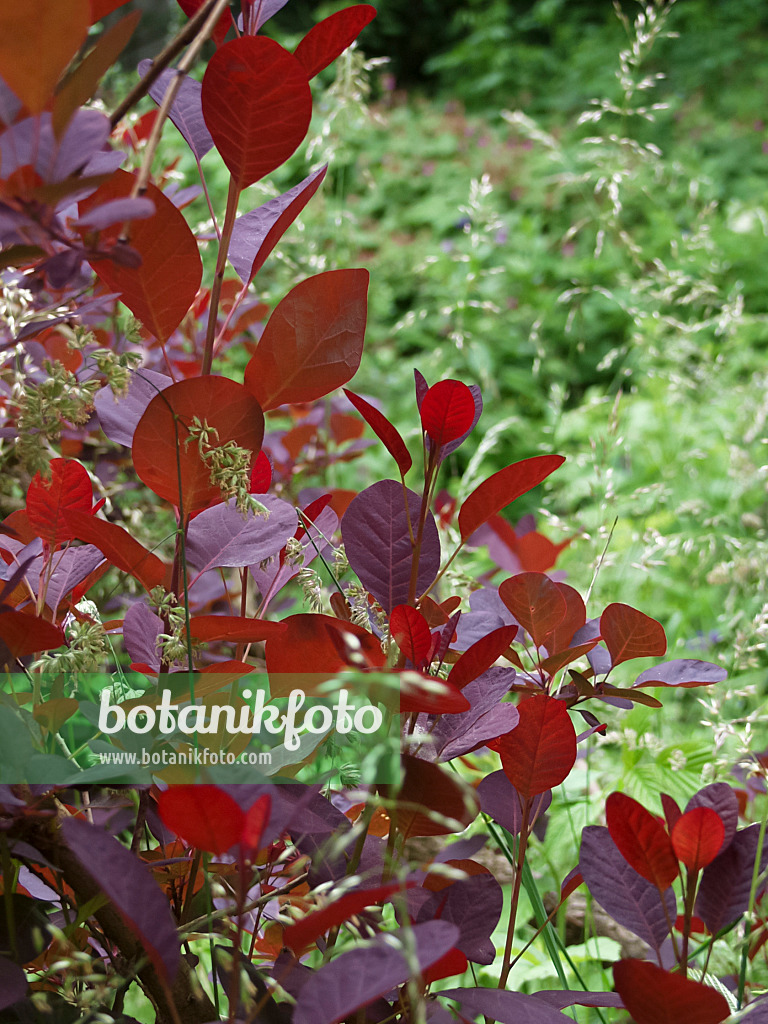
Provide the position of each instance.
(222, 536)
(174, 469)
(313, 341)
(27, 634)
(330, 37)
(481, 655)
(503, 488)
(655, 996)
(641, 839)
(162, 289)
(131, 888)
(629, 634)
(377, 541)
(206, 817)
(304, 932)
(447, 411)
(69, 487)
(697, 837)
(540, 752)
(257, 105)
(410, 631)
(536, 602)
(119, 547)
(429, 788)
(384, 430)
(187, 109)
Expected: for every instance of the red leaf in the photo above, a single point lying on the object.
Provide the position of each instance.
(313, 341)
(411, 633)
(257, 106)
(233, 628)
(160, 452)
(503, 488)
(454, 962)
(306, 653)
(384, 430)
(38, 39)
(256, 818)
(481, 655)
(575, 618)
(655, 996)
(629, 634)
(540, 752)
(697, 837)
(330, 37)
(641, 840)
(447, 411)
(316, 923)
(536, 603)
(190, 7)
(69, 487)
(430, 694)
(119, 547)
(426, 785)
(672, 812)
(27, 634)
(162, 289)
(261, 474)
(206, 817)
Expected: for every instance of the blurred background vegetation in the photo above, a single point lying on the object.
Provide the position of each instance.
(565, 203)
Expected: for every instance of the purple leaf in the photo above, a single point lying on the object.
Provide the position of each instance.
(459, 903)
(32, 141)
(421, 387)
(119, 416)
(355, 979)
(256, 233)
(115, 212)
(487, 612)
(220, 536)
(573, 997)
(141, 628)
(626, 896)
(757, 1012)
(378, 545)
(682, 672)
(266, 9)
(598, 657)
(724, 802)
(10, 104)
(273, 577)
(462, 849)
(187, 110)
(71, 567)
(131, 888)
(723, 894)
(504, 1007)
(13, 983)
(486, 718)
(499, 798)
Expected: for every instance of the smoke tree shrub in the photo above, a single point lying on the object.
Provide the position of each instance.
(300, 903)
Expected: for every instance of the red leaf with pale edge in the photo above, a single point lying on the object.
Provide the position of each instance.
(428, 786)
(447, 411)
(135, 895)
(302, 933)
(536, 602)
(233, 628)
(411, 633)
(503, 488)
(655, 996)
(69, 487)
(697, 837)
(38, 39)
(206, 817)
(256, 818)
(330, 37)
(384, 430)
(313, 341)
(257, 106)
(119, 547)
(628, 634)
(641, 839)
(431, 695)
(162, 289)
(481, 655)
(27, 634)
(162, 432)
(540, 752)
